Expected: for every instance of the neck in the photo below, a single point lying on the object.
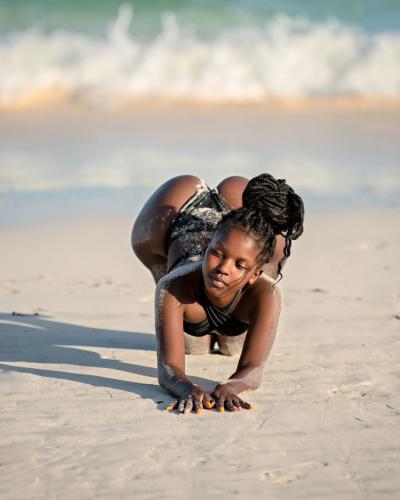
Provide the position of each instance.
(221, 300)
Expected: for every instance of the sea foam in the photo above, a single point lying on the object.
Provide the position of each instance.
(289, 58)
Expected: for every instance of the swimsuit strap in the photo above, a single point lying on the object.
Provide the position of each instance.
(218, 316)
(217, 319)
(231, 306)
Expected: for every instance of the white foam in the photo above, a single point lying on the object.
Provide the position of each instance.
(288, 58)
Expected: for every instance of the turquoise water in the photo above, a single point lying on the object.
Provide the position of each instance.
(208, 17)
(107, 53)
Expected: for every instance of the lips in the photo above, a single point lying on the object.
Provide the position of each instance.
(217, 282)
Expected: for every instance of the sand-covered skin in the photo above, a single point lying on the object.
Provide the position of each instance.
(81, 410)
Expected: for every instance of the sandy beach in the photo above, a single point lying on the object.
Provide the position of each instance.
(102, 102)
(82, 413)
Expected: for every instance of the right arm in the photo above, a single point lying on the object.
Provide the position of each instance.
(171, 351)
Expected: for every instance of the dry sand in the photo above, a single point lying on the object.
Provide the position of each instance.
(81, 411)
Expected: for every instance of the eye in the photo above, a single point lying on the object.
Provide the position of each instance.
(241, 265)
(216, 251)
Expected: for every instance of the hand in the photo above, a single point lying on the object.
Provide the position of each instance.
(225, 397)
(194, 399)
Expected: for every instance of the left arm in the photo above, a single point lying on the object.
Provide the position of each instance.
(264, 317)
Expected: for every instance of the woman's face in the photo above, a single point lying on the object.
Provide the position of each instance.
(230, 262)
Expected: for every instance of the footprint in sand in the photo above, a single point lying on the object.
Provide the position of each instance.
(288, 475)
(394, 411)
(319, 290)
(351, 390)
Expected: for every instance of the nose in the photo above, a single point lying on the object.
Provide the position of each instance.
(224, 267)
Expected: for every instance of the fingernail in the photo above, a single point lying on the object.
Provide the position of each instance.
(250, 407)
(198, 411)
(221, 409)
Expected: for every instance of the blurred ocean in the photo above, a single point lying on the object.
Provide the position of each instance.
(153, 89)
(104, 53)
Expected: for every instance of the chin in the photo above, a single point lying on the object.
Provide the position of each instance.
(212, 287)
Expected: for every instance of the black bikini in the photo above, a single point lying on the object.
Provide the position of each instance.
(195, 223)
(218, 319)
(193, 227)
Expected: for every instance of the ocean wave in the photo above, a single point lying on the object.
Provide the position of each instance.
(289, 58)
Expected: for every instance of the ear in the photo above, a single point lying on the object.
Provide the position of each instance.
(256, 274)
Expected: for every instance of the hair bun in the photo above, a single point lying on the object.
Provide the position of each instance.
(277, 201)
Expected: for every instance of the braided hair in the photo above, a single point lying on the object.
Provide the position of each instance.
(282, 207)
(270, 208)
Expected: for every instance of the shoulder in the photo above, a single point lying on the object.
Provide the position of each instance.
(181, 283)
(260, 295)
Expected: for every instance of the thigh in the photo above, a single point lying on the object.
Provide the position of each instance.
(154, 220)
(231, 189)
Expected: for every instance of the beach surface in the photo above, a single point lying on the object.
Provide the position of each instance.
(82, 414)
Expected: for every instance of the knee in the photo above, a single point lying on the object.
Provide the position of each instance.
(228, 350)
(230, 346)
(197, 345)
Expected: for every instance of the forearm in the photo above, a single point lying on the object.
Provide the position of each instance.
(170, 354)
(249, 373)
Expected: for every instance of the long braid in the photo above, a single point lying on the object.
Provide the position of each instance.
(276, 202)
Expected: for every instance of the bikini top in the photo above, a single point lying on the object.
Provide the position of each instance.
(218, 319)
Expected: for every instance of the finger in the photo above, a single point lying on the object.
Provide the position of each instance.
(245, 405)
(181, 405)
(220, 405)
(229, 405)
(236, 402)
(208, 402)
(171, 405)
(198, 407)
(188, 405)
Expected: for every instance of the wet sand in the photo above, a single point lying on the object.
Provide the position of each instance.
(82, 413)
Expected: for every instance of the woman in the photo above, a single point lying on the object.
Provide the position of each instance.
(207, 254)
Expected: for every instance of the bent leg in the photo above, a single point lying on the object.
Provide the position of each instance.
(151, 226)
(198, 345)
(230, 346)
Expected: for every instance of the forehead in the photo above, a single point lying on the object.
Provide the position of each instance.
(238, 243)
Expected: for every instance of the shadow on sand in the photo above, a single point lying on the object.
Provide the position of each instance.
(38, 339)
